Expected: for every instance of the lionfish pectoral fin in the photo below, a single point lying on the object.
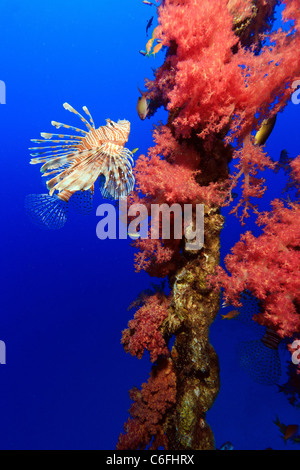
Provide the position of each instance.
(117, 179)
(103, 188)
(81, 175)
(48, 212)
(115, 188)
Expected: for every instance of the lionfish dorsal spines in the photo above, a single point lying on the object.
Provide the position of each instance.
(58, 125)
(85, 109)
(70, 108)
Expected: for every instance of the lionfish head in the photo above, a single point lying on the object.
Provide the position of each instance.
(121, 129)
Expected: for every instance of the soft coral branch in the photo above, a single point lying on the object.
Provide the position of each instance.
(251, 160)
(269, 267)
(209, 81)
(146, 427)
(144, 332)
(169, 175)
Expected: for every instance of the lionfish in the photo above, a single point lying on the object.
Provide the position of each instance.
(75, 163)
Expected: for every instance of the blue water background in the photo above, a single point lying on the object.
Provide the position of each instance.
(64, 294)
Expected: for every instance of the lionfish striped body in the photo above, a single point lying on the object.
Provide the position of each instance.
(75, 162)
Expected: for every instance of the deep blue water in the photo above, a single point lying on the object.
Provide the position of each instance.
(64, 294)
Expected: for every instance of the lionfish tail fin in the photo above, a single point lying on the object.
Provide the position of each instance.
(47, 212)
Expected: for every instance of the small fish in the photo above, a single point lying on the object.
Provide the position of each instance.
(231, 314)
(151, 41)
(157, 48)
(231, 196)
(265, 130)
(133, 235)
(227, 446)
(144, 53)
(134, 151)
(289, 432)
(149, 46)
(149, 24)
(154, 33)
(142, 105)
(148, 3)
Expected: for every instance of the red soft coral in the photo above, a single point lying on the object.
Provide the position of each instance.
(207, 82)
(220, 79)
(269, 267)
(295, 175)
(251, 159)
(198, 81)
(295, 166)
(144, 330)
(169, 175)
(148, 412)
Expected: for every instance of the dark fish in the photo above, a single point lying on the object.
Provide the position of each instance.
(149, 24)
(284, 157)
(289, 431)
(227, 446)
(231, 197)
(291, 388)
